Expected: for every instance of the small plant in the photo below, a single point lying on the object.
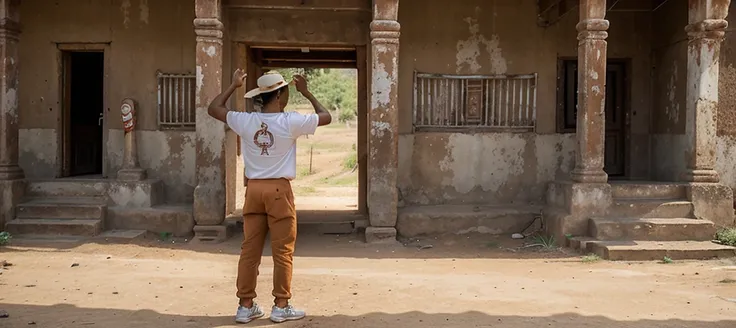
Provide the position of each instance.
(547, 243)
(351, 161)
(568, 236)
(591, 258)
(5, 238)
(667, 260)
(727, 236)
(728, 281)
(165, 235)
(303, 172)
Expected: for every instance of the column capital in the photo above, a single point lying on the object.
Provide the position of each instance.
(592, 29)
(385, 31)
(707, 29)
(208, 29)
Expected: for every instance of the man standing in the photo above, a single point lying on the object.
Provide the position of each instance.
(269, 152)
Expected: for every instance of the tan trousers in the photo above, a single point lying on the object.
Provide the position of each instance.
(269, 206)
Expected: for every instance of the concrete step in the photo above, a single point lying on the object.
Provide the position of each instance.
(648, 190)
(580, 243)
(460, 219)
(62, 208)
(67, 188)
(657, 250)
(73, 227)
(652, 229)
(145, 193)
(651, 208)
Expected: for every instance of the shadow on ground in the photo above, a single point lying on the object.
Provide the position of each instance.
(64, 315)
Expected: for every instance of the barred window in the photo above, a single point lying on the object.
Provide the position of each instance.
(176, 96)
(475, 102)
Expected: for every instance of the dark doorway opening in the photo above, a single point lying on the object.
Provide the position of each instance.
(83, 81)
(616, 149)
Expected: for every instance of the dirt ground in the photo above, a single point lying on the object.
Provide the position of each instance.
(460, 281)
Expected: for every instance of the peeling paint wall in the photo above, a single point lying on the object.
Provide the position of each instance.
(493, 168)
(726, 120)
(38, 156)
(143, 36)
(502, 37)
(669, 90)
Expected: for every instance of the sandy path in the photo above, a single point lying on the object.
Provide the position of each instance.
(460, 282)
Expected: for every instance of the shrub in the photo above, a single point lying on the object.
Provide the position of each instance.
(727, 236)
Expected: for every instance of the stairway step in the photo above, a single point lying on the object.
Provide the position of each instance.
(68, 188)
(72, 227)
(657, 250)
(62, 208)
(651, 208)
(648, 190)
(652, 229)
(580, 243)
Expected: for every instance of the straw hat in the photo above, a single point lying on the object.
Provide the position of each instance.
(270, 81)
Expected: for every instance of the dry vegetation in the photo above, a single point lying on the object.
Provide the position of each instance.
(330, 175)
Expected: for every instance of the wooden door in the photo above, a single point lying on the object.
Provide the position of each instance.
(616, 136)
(616, 108)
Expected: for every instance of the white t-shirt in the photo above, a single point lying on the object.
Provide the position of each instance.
(268, 141)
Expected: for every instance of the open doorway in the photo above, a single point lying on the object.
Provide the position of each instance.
(331, 181)
(82, 122)
(327, 162)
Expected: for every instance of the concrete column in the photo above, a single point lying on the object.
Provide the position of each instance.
(384, 122)
(9, 37)
(706, 29)
(12, 183)
(209, 195)
(591, 125)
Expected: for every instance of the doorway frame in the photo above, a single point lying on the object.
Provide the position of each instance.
(63, 116)
(626, 110)
(243, 53)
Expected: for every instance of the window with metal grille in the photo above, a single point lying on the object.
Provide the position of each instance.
(475, 102)
(176, 101)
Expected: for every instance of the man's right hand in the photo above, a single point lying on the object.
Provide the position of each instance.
(239, 78)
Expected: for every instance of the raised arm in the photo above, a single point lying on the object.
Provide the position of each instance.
(324, 115)
(217, 108)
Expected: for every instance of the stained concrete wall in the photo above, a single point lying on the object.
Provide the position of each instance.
(268, 27)
(670, 77)
(669, 86)
(143, 36)
(502, 37)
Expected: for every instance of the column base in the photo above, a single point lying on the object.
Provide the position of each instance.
(212, 234)
(702, 176)
(11, 172)
(209, 205)
(11, 192)
(380, 235)
(589, 176)
(713, 202)
(134, 174)
(570, 206)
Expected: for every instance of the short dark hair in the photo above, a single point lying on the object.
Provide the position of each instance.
(266, 98)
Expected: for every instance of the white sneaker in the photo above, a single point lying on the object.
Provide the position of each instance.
(246, 315)
(287, 313)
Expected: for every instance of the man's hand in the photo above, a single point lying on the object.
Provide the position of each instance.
(239, 78)
(217, 108)
(301, 84)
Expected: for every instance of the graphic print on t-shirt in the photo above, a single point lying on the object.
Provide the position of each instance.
(263, 139)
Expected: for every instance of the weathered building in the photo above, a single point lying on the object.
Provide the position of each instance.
(607, 119)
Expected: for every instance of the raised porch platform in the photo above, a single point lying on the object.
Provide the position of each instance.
(89, 207)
